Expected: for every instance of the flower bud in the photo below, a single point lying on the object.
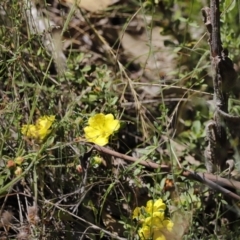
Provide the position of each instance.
(19, 160)
(79, 168)
(11, 164)
(18, 171)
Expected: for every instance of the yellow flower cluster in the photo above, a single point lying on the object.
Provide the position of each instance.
(39, 130)
(154, 224)
(100, 128)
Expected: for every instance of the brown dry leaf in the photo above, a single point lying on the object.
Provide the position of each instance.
(6, 219)
(181, 221)
(33, 215)
(91, 5)
(178, 148)
(112, 224)
(192, 160)
(158, 60)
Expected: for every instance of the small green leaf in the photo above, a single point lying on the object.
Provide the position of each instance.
(224, 202)
(196, 127)
(194, 24)
(137, 171)
(182, 19)
(229, 5)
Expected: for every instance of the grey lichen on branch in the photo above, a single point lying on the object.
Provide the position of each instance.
(224, 80)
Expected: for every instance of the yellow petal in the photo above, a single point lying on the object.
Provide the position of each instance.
(97, 120)
(158, 235)
(168, 224)
(42, 133)
(159, 205)
(149, 207)
(158, 215)
(154, 222)
(93, 133)
(144, 233)
(101, 141)
(45, 122)
(29, 131)
(155, 206)
(111, 125)
(96, 136)
(136, 213)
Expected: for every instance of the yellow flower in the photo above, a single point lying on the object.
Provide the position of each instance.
(155, 206)
(167, 223)
(29, 131)
(147, 232)
(138, 214)
(40, 130)
(158, 235)
(155, 220)
(144, 232)
(152, 217)
(100, 128)
(155, 228)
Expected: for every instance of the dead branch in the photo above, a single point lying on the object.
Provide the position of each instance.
(217, 183)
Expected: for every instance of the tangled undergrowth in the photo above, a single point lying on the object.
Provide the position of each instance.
(101, 112)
